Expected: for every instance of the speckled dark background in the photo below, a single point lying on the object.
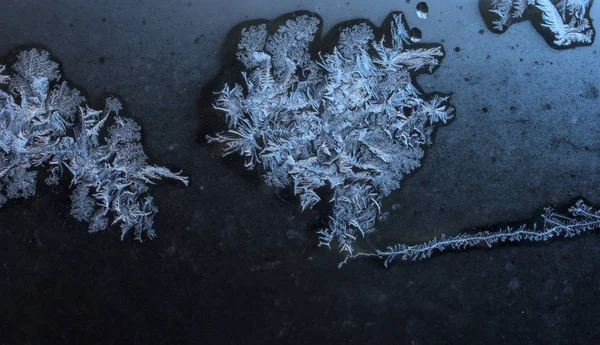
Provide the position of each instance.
(235, 264)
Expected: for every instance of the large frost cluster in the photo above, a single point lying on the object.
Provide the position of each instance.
(565, 19)
(351, 120)
(44, 122)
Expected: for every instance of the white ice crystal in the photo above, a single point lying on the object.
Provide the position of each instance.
(45, 123)
(565, 19)
(351, 120)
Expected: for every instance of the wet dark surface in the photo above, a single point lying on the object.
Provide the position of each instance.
(236, 264)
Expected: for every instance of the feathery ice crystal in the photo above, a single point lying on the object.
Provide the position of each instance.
(565, 19)
(351, 120)
(43, 123)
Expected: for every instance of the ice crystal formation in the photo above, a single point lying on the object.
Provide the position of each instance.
(351, 120)
(566, 20)
(581, 218)
(44, 122)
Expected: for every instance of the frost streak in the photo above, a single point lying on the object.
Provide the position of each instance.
(582, 218)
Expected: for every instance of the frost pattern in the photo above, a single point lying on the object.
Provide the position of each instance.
(43, 123)
(581, 218)
(565, 19)
(351, 120)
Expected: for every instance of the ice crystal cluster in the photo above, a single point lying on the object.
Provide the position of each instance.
(581, 218)
(350, 120)
(565, 19)
(44, 122)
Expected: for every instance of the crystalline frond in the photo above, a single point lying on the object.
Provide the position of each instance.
(36, 64)
(417, 59)
(551, 18)
(45, 122)
(355, 38)
(399, 33)
(252, 45)
(288, 46)
(577, 30)
(566, 19)
(64, 100)
(229, 101)
(502, 8)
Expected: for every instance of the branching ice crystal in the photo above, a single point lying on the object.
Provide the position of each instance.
(43, 123)
(565, 19)
(582, 218)
(351, 120)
